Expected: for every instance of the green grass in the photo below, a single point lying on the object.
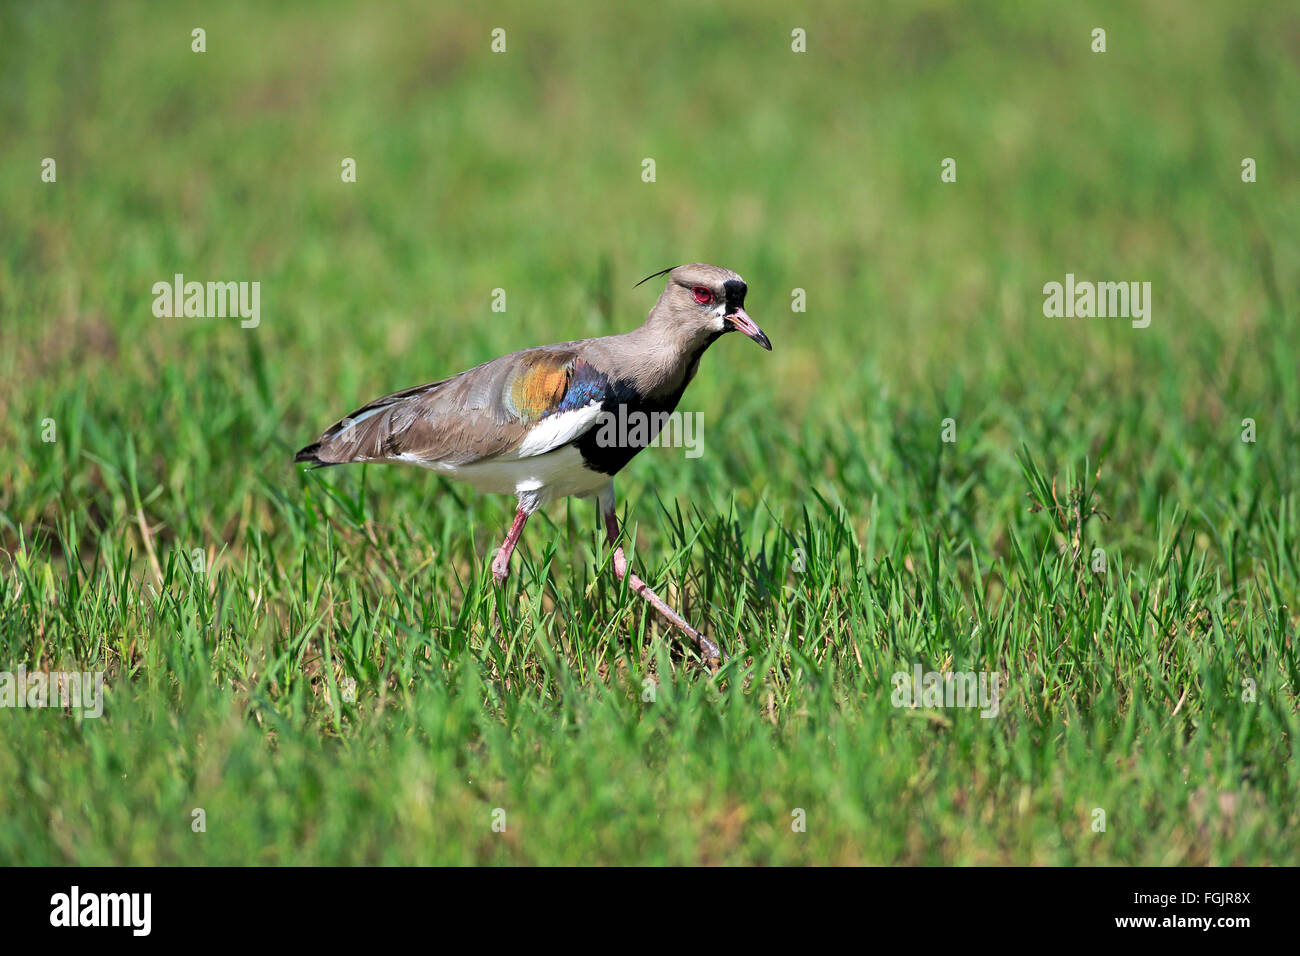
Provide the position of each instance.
(828, 536)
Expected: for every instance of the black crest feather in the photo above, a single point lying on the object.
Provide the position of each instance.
(661, 272)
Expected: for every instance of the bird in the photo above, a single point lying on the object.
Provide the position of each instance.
(529, 424)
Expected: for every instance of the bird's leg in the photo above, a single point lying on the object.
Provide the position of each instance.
(708, 650)
(501, 563)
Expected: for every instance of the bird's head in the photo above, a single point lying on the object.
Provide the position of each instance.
(702, 302)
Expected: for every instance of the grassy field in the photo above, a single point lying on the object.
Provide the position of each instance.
(319, 661)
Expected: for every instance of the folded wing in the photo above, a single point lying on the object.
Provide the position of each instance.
(520, 405)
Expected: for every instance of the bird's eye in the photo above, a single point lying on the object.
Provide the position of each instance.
(702, 295)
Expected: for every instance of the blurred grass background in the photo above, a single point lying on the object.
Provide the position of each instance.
(522, 171)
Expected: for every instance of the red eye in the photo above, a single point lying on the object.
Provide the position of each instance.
(702, 295)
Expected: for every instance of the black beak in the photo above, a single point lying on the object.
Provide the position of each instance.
(741, 322)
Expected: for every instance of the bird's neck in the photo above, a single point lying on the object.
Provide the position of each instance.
(663, 361)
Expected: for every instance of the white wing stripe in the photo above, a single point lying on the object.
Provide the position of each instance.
(556, 430)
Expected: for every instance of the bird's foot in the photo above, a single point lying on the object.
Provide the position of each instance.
(710, 651)
(501, 563)
(500, 568)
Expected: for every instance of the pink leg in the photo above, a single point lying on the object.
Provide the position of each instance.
(501, 563)
(708, 650)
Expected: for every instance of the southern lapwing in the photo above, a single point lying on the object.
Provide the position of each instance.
(527, 424)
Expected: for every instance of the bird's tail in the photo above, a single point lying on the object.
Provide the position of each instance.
(363, 435)
(311, 455)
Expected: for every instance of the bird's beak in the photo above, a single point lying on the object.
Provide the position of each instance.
(741, 322)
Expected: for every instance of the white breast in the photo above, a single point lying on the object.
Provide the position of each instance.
(536, 480)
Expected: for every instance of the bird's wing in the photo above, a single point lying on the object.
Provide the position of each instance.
(520, 405)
